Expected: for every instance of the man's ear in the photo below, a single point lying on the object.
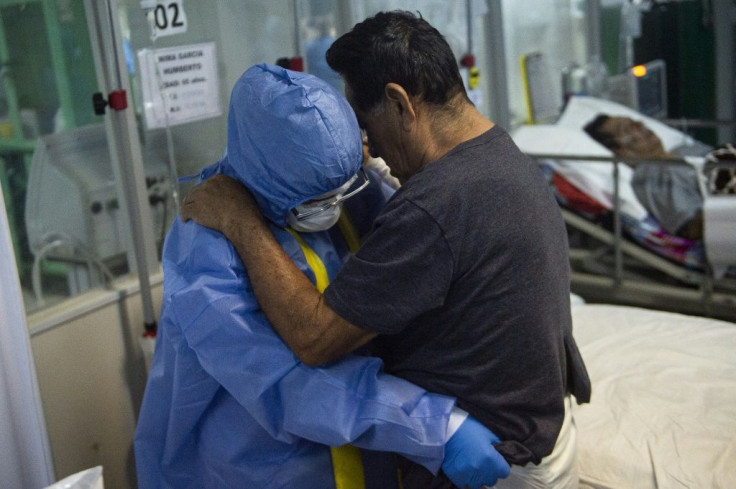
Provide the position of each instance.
(401, 103)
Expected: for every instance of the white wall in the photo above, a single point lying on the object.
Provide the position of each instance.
(92, 375)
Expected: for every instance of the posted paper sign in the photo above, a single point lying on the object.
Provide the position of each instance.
(180, 84)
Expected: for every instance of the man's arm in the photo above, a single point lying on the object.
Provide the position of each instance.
(239, 350)
(296, 310)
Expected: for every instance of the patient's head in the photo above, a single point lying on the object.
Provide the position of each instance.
(626, 137)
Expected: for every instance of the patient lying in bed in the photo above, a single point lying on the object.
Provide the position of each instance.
(670, 193)
(587, 186)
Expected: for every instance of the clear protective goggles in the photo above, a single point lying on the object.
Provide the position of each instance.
(304, 211)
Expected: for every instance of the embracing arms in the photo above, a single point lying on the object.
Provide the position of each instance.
(296, 310)
(317, 335)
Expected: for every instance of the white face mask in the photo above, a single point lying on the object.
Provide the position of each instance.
(326, 217)
(317, 222)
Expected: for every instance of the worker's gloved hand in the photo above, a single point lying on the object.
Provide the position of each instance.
(471, 459)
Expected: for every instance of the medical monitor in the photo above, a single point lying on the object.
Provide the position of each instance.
(643, 88)
(651, 88)
(72, 195)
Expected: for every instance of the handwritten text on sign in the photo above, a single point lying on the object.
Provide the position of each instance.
(179, 84)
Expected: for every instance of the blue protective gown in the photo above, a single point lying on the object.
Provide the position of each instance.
(227, 403)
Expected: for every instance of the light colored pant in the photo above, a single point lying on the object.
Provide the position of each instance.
(558, 470)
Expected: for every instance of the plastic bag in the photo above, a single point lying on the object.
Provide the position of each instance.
(86, 479)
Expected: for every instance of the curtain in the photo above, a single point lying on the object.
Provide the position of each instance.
(25, 454)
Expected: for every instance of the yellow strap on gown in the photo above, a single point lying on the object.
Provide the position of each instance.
(346, 462)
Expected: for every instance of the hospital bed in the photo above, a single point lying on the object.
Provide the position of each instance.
(663, 406)
(618, 252)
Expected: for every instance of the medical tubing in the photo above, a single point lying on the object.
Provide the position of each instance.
(167, 127)
(158, 194)
(61, 240)
(172, 161)
(36, 271)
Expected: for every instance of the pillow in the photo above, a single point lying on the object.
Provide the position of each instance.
(593, 178)
(582, 109)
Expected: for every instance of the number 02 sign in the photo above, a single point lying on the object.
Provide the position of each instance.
(167, 18)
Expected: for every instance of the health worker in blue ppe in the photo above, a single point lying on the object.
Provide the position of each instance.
(228, 404)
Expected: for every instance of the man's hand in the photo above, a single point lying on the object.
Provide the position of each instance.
(470, 458)
(221, 203)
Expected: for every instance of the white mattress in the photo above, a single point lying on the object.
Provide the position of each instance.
(663, 409)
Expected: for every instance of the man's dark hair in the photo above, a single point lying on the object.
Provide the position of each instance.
(397, 47)
(595, 130)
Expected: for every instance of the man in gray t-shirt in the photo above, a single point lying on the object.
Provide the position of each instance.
(465, 278)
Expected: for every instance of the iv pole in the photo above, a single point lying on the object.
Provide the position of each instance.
(125, 150)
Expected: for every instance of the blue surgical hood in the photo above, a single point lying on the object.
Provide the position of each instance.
(291, 136)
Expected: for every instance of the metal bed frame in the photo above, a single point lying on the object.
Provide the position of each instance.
(608, 267)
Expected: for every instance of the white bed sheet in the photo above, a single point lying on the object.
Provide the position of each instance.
(595, 178)
(663, 409)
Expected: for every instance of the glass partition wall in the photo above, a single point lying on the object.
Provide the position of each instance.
(65, 201)
(46, 81)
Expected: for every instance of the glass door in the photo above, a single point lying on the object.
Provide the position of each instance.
(58, 189)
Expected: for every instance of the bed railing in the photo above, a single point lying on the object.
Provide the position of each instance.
(699, 292)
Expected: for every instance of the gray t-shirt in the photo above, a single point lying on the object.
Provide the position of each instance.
(465, 277)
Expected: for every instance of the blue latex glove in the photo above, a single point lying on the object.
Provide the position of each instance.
(470, 458)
